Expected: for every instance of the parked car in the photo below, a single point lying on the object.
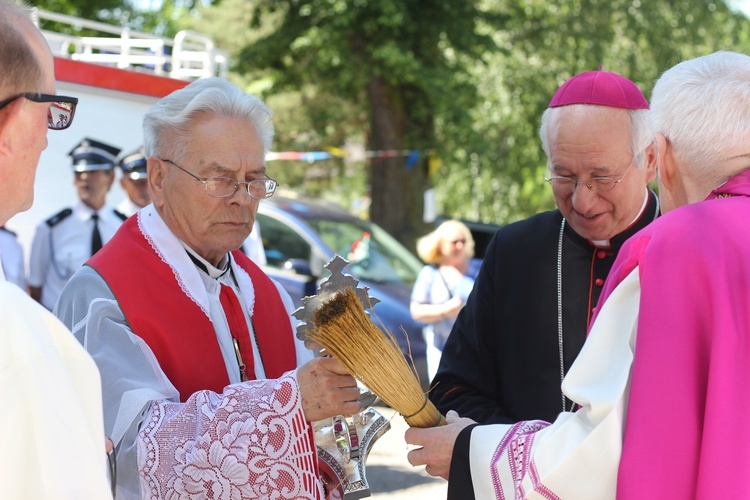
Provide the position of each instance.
(300, 236)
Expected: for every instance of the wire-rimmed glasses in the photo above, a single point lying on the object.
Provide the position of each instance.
(224, 187)
(564, 184)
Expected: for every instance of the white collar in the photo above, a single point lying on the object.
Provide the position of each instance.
(172, 252)
(214, 272)
(84, 212)
(605, 243)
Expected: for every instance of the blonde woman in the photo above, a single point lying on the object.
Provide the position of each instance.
(443, 285)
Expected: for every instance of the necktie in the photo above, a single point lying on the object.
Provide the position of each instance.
(243, 348)
(96, 237)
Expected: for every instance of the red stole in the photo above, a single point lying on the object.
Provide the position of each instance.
(178, 332)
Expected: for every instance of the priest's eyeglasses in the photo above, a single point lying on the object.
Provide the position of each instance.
(61, 111)
(224, 187)
(563, 184)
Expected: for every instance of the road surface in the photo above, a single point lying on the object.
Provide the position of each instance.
(389, 473)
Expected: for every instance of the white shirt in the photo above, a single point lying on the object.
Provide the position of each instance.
(127, 207)
(59, 251)
(11, 257)
(213, 281)
(51, 428)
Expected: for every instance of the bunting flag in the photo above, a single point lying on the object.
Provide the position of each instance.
(412, 156)
(433, 164)
(308, 156)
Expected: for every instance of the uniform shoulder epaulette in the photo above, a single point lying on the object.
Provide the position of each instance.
(59, 217)
(3, 228)
(121, 215)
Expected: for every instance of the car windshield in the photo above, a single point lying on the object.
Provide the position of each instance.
(373, 254)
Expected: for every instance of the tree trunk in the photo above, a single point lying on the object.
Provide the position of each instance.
(397, 191)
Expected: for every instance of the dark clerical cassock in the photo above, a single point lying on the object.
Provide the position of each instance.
(526, 320)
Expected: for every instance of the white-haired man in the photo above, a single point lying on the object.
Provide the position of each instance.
(662, 378)
(200, 365)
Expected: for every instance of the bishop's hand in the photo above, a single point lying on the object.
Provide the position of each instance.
(435, 444)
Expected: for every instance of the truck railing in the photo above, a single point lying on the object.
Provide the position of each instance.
(188, 56)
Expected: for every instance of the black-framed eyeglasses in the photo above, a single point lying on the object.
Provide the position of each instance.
(224, 187)
(61, 111)
(563, 184)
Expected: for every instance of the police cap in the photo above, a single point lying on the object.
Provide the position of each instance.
(91, 155)
(133, 164)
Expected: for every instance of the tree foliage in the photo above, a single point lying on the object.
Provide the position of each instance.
(390, 65)
(542, 45)
(467, 80)
(97, 10)
(134, 14)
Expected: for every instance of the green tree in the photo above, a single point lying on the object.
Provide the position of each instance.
(163, 20)
(540, 46)
(466, 80)
(396, 63)
(95, 10)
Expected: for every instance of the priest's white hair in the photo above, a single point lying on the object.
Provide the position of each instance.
(166, 126)
(702, 106)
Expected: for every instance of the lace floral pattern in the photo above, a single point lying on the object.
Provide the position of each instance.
(252, 441)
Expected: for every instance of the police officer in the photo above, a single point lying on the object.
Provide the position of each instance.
(65, 241)
(133, 182)
(11, 258)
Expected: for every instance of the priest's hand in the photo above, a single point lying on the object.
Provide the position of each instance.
(435, 444)
(327, 389)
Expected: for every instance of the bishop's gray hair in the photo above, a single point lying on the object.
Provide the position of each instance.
(641, 135)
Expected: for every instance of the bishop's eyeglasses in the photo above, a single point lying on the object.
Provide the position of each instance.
(61, 111)
(224, 187)
(567, 185)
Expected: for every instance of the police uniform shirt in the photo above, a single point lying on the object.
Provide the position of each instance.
(62, 244)
(127, 207)
(11, 258)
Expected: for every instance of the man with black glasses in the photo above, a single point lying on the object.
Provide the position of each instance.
(526, 319)
(195, 344)
(51, 430)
